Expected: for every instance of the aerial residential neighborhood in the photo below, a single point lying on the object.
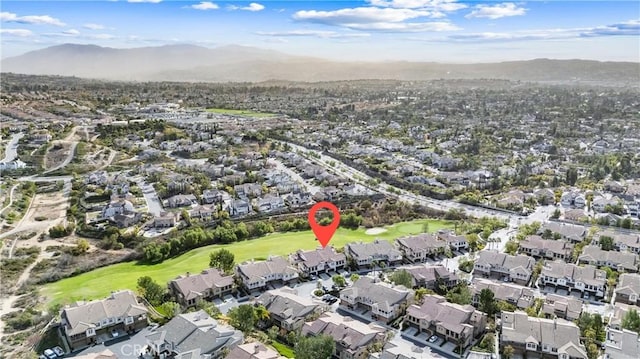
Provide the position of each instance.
(366, 179)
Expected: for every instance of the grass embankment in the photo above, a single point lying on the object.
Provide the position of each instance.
(100, 282)
(283, 349)
(248, 113)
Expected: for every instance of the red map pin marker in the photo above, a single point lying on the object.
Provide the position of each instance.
(324, 233)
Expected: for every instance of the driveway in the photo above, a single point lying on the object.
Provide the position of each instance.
(127, 347)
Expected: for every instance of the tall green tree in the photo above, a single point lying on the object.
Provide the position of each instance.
(150, 290)
(222, 259)
(487, 302)
(631, 321)
(402, 277)
(315, 347)
(243, 317)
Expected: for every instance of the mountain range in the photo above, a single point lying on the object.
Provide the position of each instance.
(248, 64)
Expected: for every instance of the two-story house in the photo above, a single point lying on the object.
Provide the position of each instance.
(431, 276)
(320, 260)
(511, 268)
(586, 279)
(628, 289)
(353, 338)
(372, 253)
(87, 323)
(520, 296)
(538, 247)
(190, 288)
(385, 301)
(458, 324)
(254, 275)
(552, 338)
(565, 307)
(455, 242)
(621, 261)
(287, 309)
(420, 247)
(193, 335)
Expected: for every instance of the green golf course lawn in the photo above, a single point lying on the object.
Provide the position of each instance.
(231, 112)
(100, 282)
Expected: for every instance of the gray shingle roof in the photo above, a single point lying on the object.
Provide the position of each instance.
(629, 283)
(377, 248)
(196, 331)
(517, 327)
(626, 260)
(317, 256)
(385, 295)
(436, 310)
(263, 268)
(287, 304)
(352, 334)
(192, 286)
(82, 316)
(587, 274)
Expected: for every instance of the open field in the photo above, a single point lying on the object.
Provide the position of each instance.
(248, 113)
(100, 282)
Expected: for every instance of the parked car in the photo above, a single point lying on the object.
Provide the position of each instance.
(50, 354)
(433, 339)
(59, 352)
(114, 333)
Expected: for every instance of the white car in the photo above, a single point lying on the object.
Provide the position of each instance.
(433, 339)
(59, 352)
(114, 333)
(50, 354)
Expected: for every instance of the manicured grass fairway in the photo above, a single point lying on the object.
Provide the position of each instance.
(248, 113)
(100, 282)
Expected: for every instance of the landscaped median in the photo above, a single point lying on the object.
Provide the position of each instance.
(246, 113)
(100, 282)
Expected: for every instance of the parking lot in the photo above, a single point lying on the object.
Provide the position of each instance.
(125, 347)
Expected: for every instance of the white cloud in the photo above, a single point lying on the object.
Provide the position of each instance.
(16, 32)
(376, 19)
(205, 5)
(71, 32)
(312, 33)
(30, 19)
(497, 11)
(93, 26)
(101, 36)
(435, 5)
(359, 15)
(65, 33)
(141, 1)
(627, 28)
(252, 7)
(435, 26)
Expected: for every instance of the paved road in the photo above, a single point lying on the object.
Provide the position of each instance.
(154, 206)
(295, 176)
(342, 169)
(11, 151)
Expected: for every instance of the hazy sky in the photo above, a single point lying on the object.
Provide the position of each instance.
(415, 30)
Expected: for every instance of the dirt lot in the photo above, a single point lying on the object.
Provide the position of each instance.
(57, 154)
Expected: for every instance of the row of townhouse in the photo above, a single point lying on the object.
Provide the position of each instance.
(540, 337)
(588, 280)
(511, 268)
(459, 324)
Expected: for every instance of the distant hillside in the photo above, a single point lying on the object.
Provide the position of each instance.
(240, 63)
